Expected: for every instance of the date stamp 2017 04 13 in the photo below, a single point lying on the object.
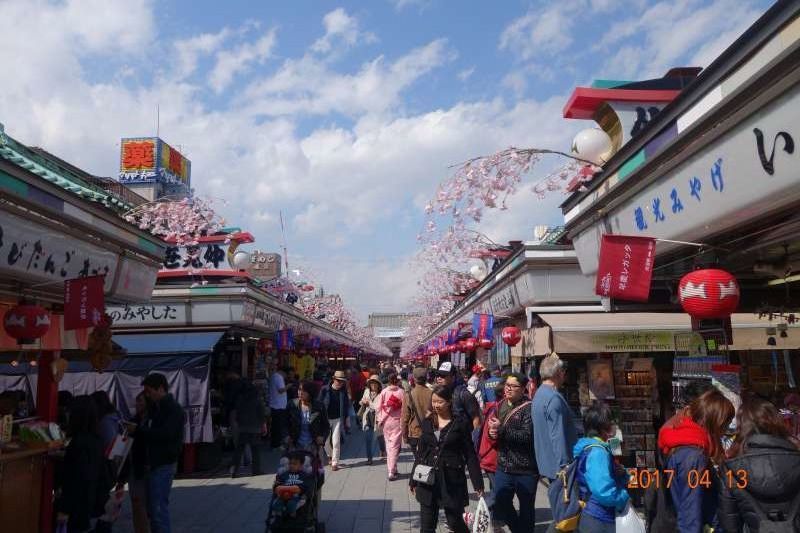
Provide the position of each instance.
(644, 478)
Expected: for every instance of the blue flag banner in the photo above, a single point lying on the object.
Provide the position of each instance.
(482, 326)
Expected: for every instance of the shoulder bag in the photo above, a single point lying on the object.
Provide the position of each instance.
(427, 474)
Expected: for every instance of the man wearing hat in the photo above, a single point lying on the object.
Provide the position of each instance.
(416, 405)
(336, 400)
(463, 402)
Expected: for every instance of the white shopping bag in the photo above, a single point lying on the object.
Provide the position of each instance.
(628, 521)
(482, 523)
(119, 450)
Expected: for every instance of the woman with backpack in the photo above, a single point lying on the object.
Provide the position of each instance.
(597, 473)
(761, 480)
(390, 410)
(445, 446)
(691, 444)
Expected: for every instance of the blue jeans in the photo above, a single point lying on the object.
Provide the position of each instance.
(369, 441)
(524, 486)
(159, 483)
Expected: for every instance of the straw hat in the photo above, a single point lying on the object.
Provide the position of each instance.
(339, 375)
(375, 378)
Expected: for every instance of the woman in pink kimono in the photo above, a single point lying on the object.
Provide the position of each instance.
(390, 409)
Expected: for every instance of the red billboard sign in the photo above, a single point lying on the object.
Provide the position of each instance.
(84, 302)
(625, 267)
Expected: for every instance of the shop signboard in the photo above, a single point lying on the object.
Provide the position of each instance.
(612, 342)
(261, 317)
(626, 267)
(135, 280)
(264, 266)
(505, 301)
(84, 302)
(160, 314)
(33, 251)
(149, 160)
(746, 173)
(205, 256)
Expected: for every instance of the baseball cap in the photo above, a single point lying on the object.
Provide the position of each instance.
(446, 368)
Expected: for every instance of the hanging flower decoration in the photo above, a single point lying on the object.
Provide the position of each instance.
(180, 221)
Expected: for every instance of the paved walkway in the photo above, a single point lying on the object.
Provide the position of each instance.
(357, 498)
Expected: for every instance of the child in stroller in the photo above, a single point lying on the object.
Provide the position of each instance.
(292, 486)
(296, 493)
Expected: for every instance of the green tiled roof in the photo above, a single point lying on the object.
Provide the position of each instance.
(38, 164)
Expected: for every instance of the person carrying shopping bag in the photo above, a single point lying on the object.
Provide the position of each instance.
(368, 409)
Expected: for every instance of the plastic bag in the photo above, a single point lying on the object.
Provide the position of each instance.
(482, 522)
(628, 521)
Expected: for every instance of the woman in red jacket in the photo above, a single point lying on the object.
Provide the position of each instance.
(487, 448)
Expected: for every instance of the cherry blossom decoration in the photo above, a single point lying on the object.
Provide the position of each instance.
(180, 221)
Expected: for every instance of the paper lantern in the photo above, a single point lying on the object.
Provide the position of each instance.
(709, 293)
(26, 322)
(486, 344)
(593, 144)
(264, 345)
(470, 344)
(511, 335)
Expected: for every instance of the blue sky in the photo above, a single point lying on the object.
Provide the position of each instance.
(344, 115)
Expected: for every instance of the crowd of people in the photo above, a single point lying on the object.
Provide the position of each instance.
(88, 477)
(506, 431)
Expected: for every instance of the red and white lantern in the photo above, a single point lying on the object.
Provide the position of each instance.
(26, 322)
(709, 293)
(470, 344)
(486, 344)
(511, 335)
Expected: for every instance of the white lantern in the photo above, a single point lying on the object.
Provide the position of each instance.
(478, 271)
(241, 260)
(593, 144)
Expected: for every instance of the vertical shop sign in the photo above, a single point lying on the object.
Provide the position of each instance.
(84, 302)
(626, 267)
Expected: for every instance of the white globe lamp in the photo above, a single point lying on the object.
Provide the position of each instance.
(478, 271)
(241, 260)
(593, 144)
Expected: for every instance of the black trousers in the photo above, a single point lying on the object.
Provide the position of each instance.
(278, 427)
(413, 443)
(254, 440)
(430, 519)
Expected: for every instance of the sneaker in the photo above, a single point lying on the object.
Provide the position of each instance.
(334, 467)
(392, 477)
(369, 461)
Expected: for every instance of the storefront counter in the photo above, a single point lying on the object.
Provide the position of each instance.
(21, 475)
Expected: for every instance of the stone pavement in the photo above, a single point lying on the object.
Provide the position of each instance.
(356, 498)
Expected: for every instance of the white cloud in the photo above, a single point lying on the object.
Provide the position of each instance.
(189, 51)
(232, 62)
(399, 5)
(342, 29)
(647, 43)
(466, 74)
(309, 86)
(539, 32)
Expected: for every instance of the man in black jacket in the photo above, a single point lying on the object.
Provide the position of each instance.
(517, 472)
(163, 437)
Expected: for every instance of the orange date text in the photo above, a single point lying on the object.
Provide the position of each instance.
(645, 478)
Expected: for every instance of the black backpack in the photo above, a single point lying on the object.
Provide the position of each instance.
(775, 524)
(660, 513)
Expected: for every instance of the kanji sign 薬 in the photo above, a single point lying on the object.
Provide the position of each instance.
(84, 302)
(149, 159)
(625, 268)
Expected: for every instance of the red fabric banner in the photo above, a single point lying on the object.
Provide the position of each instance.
(84, 302)
(626, 267)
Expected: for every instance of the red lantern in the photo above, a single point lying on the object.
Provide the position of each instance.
(26, 322)
(264, 345)
(460, 346)
(470, 344)
(709, 293)
(511, 335)
(486, 344)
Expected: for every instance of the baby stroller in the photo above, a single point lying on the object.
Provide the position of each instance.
(305, 519)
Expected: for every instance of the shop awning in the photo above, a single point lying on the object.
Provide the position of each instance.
(168, 343)
(650, 332)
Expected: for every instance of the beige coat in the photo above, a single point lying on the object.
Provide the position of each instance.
(421, 397)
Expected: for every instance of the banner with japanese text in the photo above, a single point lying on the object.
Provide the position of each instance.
(284, 339)
(482, 326)
(84, 302)
(625, 267)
